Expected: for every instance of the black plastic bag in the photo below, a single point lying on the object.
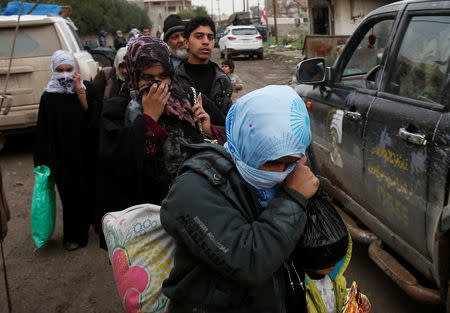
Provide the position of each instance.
(325, 238)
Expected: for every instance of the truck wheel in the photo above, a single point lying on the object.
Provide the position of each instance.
(260, 55)
(221, 54)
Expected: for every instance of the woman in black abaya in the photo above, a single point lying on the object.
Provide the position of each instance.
(66, 142)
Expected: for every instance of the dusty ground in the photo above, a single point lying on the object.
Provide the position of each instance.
(53, 280)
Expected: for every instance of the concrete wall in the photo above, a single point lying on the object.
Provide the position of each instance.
(158, 12)
(346, 21)
(285, 25)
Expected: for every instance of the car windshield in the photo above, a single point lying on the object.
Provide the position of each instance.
(244, 31)
(32, 41)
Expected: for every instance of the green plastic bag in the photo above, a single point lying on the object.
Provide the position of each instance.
(43, 206)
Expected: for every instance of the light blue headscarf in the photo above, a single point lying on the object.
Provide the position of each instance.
(267, 124)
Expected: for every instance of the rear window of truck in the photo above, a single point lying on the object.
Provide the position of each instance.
(32, 41)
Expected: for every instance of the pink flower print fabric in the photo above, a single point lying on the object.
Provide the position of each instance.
(131, 281)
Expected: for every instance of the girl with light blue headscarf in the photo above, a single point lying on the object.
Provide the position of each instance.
(265, 125)
(237, 212)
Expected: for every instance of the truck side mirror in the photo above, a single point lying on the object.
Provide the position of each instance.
(311, 71)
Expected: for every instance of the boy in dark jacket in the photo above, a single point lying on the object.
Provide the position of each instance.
(237, 212)
(198, 70)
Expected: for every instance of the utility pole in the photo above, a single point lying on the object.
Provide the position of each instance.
(243, 5)
(212, 10)
(233, 6)
(274, 2)
(259, 13)
(248, 8)
(218, 9)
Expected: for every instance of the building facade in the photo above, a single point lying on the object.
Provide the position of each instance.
(158, 10)
(339, 17)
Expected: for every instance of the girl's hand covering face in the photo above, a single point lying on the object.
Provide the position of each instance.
(302, 179)
(155, 100)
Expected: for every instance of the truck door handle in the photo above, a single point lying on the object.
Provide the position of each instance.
(354, 116)
(416, 139)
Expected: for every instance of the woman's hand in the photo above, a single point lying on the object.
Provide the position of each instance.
(155, 100)
(302, 179)
(201, 115)
(80, 91)
(77, 80)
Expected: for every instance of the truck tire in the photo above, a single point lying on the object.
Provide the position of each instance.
(260, 55)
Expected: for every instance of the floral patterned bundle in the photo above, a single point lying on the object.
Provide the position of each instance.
(141, 253)
(353, 301)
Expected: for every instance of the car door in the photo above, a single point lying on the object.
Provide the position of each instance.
(401, 127)
(338, 112)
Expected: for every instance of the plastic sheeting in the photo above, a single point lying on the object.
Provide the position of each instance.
(12, 8)
(325, 239)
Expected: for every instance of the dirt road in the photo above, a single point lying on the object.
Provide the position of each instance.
(53, 280)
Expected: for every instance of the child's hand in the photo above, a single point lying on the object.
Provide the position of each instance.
(365, 304)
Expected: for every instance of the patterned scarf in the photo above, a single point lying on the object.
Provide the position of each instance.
(145, 50)
(62, 82)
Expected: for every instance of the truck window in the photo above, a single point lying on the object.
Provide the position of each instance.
(32, 41)
(72, 45)
(422, 65)
(368, 54)
(75, 35)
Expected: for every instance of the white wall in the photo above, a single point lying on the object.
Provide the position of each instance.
(344, 23)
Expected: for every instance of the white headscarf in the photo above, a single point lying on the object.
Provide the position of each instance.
(119, 59)
(62, 82)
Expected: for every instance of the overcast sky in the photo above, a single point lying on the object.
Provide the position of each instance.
(226, 6)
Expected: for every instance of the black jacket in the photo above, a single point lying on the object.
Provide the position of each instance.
(221, 88)
(230, 250)
(125, 176)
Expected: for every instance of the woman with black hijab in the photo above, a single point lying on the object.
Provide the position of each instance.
(67, 141)
(139, 153)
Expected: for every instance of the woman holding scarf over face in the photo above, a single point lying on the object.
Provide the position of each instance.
(67, 141)
(236, 212)
(139, 154)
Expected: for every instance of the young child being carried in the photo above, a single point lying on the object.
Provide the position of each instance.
(228, 67)
(326, 286)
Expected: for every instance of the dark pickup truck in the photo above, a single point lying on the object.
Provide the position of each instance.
(380, 118)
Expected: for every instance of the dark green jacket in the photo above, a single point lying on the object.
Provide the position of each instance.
(230, 250)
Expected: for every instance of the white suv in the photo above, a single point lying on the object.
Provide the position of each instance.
(242, 39)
